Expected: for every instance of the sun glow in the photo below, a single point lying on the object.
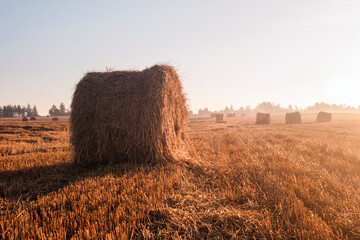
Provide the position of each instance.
(343, 89)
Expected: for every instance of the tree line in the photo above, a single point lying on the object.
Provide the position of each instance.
(8, 111)
(18, 111)
(277, 108)
(61, 111)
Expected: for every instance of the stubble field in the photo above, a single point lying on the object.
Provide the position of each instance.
(241, 181)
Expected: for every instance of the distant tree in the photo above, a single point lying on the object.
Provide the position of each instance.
(290, 108)
(62, 109)
(1, 112)
(203, 112)
(28, 110)
(7, 111)
(18, 110)
(54, 111)
(23, 111)
(34, 112)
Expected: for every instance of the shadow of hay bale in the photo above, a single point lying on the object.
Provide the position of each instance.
(30, 183)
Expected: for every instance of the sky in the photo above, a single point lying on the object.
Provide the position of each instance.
(226, 52)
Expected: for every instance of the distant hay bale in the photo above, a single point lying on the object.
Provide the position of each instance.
(263, 118)
(219, 118)
(33, 119)
(231, 115)
(55, 119)
(129, 116)
(213, 115)
(293, 118)
(25, 119)
(324, 117)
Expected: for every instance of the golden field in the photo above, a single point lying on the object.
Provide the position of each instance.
(241, 181)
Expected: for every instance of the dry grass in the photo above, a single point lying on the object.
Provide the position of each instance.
(242, 181)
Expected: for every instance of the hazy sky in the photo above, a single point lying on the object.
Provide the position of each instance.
(226, 52)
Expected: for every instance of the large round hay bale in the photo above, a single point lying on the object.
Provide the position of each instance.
(129, 116)
(25, 119)
(219, 118)
(263, 118)
(293, 118)
(33, 119)
(55, 119)
(324, 117)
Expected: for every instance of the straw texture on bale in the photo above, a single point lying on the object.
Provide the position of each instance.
(25, 119)
(32, 118)
(263, 118)
(55, 119)
(219, 118)
(231, 115)
(324, 117)
(129, 116)
(293, 118)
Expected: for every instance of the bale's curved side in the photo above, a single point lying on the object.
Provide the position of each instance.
(129, 116)
(293, 118)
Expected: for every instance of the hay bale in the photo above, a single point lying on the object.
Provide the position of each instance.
(323, 117)
(231, 115)
(219, 118)
(293, 118)
(263, 118)
(33, 119)
(25, 119)
(129, 116)
(213, 115)
(55, 119)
